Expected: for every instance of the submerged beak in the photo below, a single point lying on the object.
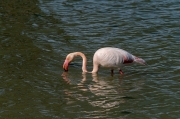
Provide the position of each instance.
(65, 65)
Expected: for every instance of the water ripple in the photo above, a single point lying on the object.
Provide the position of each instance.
(33, 50)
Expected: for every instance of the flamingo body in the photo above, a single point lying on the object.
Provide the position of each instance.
(109, 57)
(112, 57)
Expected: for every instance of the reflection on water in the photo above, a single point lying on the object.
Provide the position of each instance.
(100, 92)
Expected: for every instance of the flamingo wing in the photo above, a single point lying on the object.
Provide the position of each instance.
(112, 57)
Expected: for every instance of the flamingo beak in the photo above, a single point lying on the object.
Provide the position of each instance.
(65, 65)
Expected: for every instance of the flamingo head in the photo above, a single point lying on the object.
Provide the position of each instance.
(68, 60)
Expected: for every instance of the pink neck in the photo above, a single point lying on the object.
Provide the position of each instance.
(84, 63)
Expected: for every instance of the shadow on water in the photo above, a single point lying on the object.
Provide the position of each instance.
(23, 64)
(20, 58)
(17, 49)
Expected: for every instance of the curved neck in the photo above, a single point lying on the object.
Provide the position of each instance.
(84, 63)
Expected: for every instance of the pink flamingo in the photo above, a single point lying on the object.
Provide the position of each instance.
(113, 58)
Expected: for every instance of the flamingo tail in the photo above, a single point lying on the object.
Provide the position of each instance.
(140, 61)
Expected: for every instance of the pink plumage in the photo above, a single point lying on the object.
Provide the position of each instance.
(113, 58)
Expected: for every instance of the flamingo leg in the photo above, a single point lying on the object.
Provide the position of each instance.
(121, 72)
(112, 72)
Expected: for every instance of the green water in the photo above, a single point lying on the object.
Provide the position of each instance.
(36, 36)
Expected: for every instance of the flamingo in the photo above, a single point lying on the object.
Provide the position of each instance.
(110, 57)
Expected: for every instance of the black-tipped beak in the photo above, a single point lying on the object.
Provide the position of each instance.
(65, 70)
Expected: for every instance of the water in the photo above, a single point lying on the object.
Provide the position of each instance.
(36, 36)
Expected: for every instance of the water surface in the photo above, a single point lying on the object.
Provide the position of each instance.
(36, 36)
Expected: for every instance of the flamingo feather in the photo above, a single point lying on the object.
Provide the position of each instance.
(110, 57)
